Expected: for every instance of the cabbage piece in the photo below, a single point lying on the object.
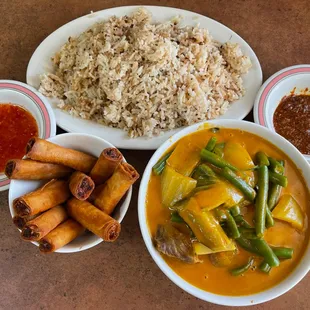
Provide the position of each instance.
(205, 227)
(201, 249)
(175, 186)
(171, 242)
(221, 193)
(185, 157)
(288, 210)
(239, 157)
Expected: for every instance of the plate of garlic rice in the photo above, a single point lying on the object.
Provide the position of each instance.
(136, 75)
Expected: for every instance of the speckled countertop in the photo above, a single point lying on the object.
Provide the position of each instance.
(123, 275)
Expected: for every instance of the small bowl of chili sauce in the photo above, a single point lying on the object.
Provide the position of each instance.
(283, 105)
(24, 113)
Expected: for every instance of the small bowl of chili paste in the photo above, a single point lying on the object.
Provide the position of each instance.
(283, 105)
(24, 113)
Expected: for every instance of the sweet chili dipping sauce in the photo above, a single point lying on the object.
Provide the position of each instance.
(292, 121)
(17, 126)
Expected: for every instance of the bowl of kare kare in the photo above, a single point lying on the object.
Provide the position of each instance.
(223, 209)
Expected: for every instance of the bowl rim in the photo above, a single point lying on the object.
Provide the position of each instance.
(125, 203)
(245, 300)
(259, 108)
(47, 114)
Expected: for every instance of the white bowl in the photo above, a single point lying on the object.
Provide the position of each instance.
(30, 99)
(275, 88)
(299, 272)
(85, 143)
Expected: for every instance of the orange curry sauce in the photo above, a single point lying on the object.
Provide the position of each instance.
(17, 126)
(218, 280)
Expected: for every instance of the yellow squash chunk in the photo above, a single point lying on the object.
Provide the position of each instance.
(204, 225)
(185, 157)
(221, 193)
(175, 186)
(239, 157)
(201, 249)
(288, 210)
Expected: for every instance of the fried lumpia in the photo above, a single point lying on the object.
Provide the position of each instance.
(20, 222)
(107, 196)
(107, 162)
(33, 170)
(53, 193)
(93, 219)
(45, 151)
(60, 236)
(39, 227)
(81, 185)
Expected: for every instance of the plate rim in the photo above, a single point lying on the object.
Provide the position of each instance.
(142, 143)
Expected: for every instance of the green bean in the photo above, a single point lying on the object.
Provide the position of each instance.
(277, 178)
(264, 267)
(219, 149)
(220, 215)
(262, 159)
(276, 166)
(176, 218)
(269, 218)
(235, 211)
(274, 195)
(246, 245)
(239, 183)
(204, 175)
(160, 165)
(265, 251)
(248, 233)
(283, 253)
(232, 226)
(260, 248)
(211, 144)
(214, 129)
(275, 189)
(261, 200)
(242, 222)
(242, 269)
(216, 160)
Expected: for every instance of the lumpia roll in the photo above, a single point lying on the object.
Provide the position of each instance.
(33, 170)
(81, 185)
(93, 219)
(108, 160)
(45, 151)
(53, 193)
(39, 227)
(60, 236)
(20, 222)
(107, 196)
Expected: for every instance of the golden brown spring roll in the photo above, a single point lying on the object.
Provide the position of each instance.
(93, 219)
(81, 185)
(107, 162)
(39, 227)
(60, 236)
(20, 222)
(107, 195)
(45, 151)
(33, 170)
(53, 193)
